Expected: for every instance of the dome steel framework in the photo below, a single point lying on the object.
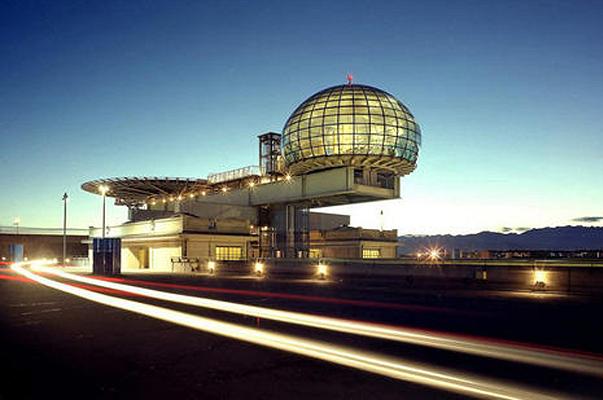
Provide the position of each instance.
(351, 125)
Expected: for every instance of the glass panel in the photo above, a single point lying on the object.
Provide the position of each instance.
(316, 122)
(371, 253)
(362, 128)
(346, 119)
(376, 111)
(377, 129)
(224, 253)
(330, 119)
(377, 119)
(318, 113)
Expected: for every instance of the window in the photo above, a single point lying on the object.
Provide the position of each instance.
(371, 253)
(314, 253)
(224, 253)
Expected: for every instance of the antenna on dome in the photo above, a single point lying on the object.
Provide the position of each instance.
(350, 78)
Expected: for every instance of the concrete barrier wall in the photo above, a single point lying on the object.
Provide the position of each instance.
(512, 277)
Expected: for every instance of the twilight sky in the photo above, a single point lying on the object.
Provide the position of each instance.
(509, 96)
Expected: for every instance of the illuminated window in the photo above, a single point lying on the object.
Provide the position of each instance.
(314, 253)
(371, 253)
(229, 253)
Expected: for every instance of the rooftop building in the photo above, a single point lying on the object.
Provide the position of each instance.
(345, 144)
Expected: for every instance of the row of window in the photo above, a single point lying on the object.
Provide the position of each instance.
(370, 102)
(335, 140)
(351, 94)
(387, 142)
(407, 153)
(366, 253)
(371, 253)
(352, 129)
(343, 131)
(353, 120)
(229, 253)
(357, 110)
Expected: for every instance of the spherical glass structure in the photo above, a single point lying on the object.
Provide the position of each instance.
(353, 125)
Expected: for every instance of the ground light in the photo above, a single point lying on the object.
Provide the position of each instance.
(540, 278)
(211, 267)
(259, 268)
(321, 270)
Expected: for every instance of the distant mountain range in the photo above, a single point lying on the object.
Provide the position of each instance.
(559, 238)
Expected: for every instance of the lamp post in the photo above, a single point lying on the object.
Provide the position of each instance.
(16, 223)
(103, 189)
(65, 197)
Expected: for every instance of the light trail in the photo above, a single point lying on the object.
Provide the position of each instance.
(569, 361)
(396, 368)
(296, 297)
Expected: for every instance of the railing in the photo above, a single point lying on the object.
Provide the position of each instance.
(233, 175)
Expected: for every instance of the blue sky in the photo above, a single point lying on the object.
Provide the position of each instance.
(508, 95)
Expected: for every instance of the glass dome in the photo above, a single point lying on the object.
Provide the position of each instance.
(353, 125)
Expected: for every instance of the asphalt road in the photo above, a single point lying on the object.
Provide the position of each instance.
(56, 345)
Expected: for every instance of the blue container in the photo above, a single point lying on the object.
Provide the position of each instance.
(106, 256)
(15, 252)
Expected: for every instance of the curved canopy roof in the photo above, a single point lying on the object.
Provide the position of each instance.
(134, 191)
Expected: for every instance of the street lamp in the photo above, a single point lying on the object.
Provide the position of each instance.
(103, 189)
(16, 223)
(65, 197)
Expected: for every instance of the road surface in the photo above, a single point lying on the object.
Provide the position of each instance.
(522, 344)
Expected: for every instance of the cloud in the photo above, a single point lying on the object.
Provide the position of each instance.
(588, 219)
(523, 229)
(506, 229)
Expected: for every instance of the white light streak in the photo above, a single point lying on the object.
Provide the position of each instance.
(387, 366)
(509, 352)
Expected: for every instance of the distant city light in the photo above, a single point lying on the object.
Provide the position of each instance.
(434, 254)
